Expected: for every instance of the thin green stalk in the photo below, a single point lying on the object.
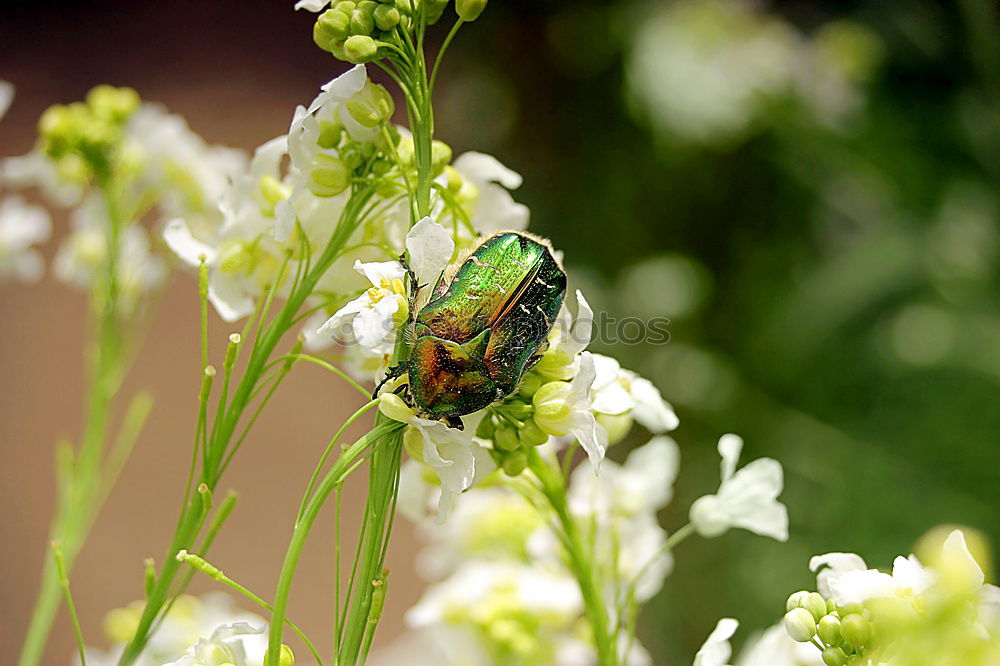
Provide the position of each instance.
(74, 618)
(553, 487)
(331, 480)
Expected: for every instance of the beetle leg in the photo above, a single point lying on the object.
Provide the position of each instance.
(392, 373)
(414, 287)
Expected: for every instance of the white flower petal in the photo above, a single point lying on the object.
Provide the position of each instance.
(716, 650)
(730, 447)
(751, 498)
(377, 271)
(955, 555)
(653, 469)
(314, 6)
(833, 565)
(651, 411)
(582, 330)
(374, 327)
(855, 587)
(430, 246)
(592, 437)
(484, 168)
(341, 88)
(188, 249)
(228, 295)
(910, 574)
(579, 388)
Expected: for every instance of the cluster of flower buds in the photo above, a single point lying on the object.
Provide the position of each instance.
(360, 31)
(843, 632)
(512, 428)
(82, 137)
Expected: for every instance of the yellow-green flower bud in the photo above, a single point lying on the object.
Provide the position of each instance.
(440, 154)
(329, 177)
(386, 17)
(285, 658)
(330, 134)
(829, 630)
(532, 435)
(120, 624)
(469, 10)
(413, 442)
(834, 656)
(363, 19)
(505, 439)
(372, 105)
(392, 405)
(331, 26)
(273, 191)
(359, 48)
(617, 426)
(529, 385)
(453, 179)
(405, 150)
(855, 630)
(831, 606)
(551, 409)
(346, 6)
(113, 104)
(815, 604)
(434, 9)
(515, 463)
(406, 6)
(800, 625)
(795, 599)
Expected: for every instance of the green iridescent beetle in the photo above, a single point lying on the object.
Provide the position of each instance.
(483, 326)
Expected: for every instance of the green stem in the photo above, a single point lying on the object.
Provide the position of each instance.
(553, 487)
(191, 519)
(331, 481)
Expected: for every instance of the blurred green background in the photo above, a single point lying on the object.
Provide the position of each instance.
(809, 190)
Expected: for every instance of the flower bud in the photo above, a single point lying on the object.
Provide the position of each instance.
(855, 630)
(372, 105)
(800, 625)
(413, 442)
(532, 435)
(386, 17)
(440, 154)
(113, 104)
(530, 383)
(331, 26)
(469, 10)
(363, 19)
(406, 6)
(617, 426)
(235, 256)
(486, 428)
(815, 604)
(505, 439)
(285, 658)
(834, 656)
(829, 630)
(795, 599)
(515, 463)
(329, 177)
(359, 48)
(551, 408)
(392, 405)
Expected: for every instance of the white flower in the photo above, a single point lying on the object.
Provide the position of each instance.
(223, 648)
(855, 584)
(375, 315)
(563, 408)
(831, 565)
(22, 225)
(619, 391)
(6, 96)
(746, 498)
(567, 338)
(452, 453)
(492, 207)
(716, 649)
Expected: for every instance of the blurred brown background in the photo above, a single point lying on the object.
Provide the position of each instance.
(235, 71)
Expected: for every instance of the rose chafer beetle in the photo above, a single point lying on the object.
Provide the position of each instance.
(483, 326)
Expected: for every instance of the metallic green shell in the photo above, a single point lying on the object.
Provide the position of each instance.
(482, 328)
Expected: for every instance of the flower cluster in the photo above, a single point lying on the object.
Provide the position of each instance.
(116, 160)
(938, 613)
(277, 219)
(365, 30)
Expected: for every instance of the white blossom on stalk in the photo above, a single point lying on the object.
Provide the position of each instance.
(375, 316)
(567, 338)
(747, 498)
(617, 391)
(485, 193)
(774, 647)
(454, 456)
(22, 226)
(223, 648)
(563, 408)
(716, 650)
